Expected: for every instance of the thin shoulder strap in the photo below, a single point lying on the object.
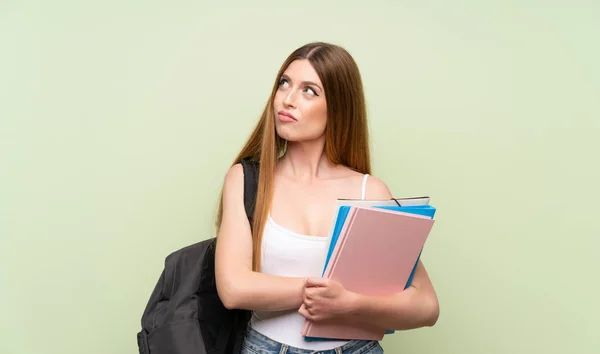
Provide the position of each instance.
(250, 187)
(364, 186)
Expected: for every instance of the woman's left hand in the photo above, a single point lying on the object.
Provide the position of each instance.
(326, 299)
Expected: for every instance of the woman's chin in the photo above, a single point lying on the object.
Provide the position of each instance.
(295, 135)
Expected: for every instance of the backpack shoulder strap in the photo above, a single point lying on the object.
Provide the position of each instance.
(250, 187)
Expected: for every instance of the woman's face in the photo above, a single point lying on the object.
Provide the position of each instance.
(299, 104)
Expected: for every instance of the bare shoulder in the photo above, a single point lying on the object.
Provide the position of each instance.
(234, 229)
(235, 173)
(377, 189)
(234, 179)
(233, 191)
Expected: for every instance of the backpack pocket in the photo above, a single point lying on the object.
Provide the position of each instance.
(176, 337)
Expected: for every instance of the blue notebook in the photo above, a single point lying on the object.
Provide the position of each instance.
(425, 210)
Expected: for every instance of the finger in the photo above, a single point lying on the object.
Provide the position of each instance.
(317, 292)
(308, 304)
(317, 282)
(304, 312)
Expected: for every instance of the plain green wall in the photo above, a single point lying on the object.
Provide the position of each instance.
(118, 120)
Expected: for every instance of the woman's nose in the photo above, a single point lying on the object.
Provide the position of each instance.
(290, 99)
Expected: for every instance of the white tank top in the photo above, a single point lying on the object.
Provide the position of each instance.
(290, 254)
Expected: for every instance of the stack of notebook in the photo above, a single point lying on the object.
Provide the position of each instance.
(374, 249)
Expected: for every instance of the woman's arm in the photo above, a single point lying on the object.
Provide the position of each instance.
(240, 287)
(415, 307)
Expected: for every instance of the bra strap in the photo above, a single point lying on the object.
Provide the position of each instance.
(364, 186)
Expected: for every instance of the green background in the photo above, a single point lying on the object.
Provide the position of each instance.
(119, 119)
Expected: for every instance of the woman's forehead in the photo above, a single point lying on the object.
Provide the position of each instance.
(302, 70)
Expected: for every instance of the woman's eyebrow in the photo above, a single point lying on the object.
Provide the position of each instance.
(303, 82)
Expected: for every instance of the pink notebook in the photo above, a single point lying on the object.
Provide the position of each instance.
(375, 255)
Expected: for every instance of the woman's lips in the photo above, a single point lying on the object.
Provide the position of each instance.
(286, 117)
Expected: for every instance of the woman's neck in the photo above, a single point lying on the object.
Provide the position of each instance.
(305, 161)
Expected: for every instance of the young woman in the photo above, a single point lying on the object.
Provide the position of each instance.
(312, 147)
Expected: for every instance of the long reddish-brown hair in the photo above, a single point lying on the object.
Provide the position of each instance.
(346, 130)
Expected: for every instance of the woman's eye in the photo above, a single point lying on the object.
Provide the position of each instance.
(282, 82)
(311, 91)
